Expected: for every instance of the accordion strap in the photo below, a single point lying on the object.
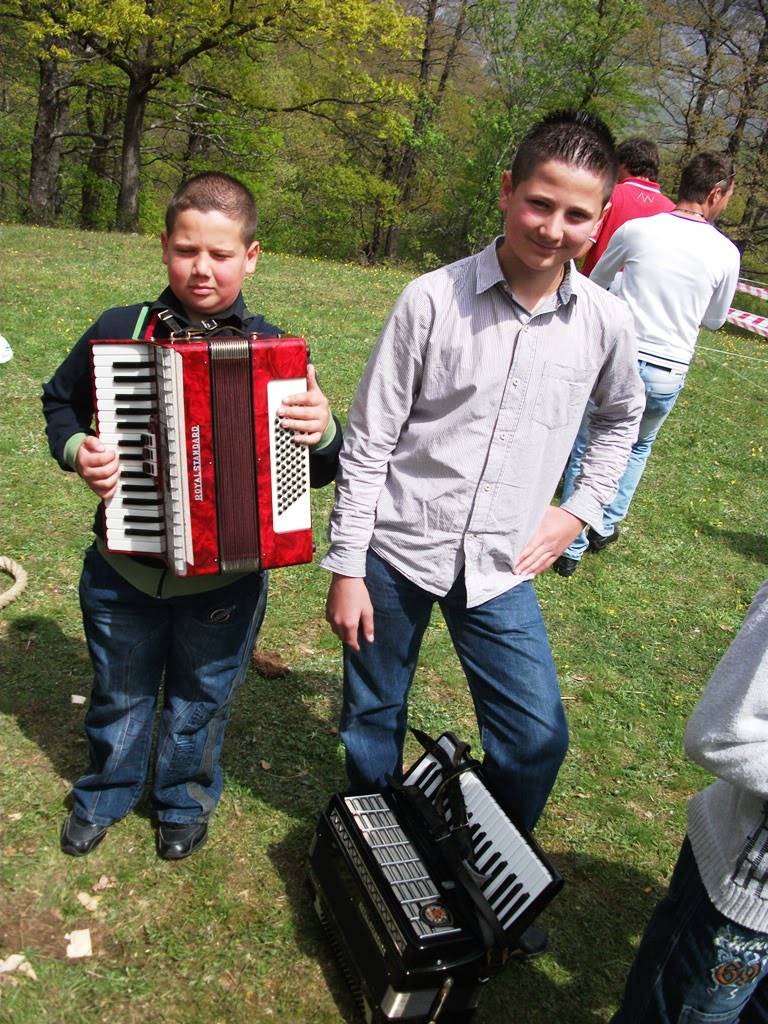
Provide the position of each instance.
(453, 839)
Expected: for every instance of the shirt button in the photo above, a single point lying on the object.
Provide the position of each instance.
(502, 437)
(487, 487)
(515, 382)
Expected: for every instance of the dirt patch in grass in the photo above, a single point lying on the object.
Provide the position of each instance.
(41, 930)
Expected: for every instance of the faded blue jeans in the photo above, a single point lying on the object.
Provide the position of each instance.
(504, 651)
(661, 390)
(694, 965)
(201, 644)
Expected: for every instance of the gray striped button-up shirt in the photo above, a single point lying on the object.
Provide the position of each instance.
(465, 417)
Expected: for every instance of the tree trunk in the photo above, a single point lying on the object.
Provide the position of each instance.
(96, 170)
(47, 141)
(130, 171)
(749, 93)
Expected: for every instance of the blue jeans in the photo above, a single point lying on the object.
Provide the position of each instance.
(694, 965)
(661, 390)
(201, 643)
(504, 651)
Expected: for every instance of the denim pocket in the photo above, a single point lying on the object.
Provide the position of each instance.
(691, 1016)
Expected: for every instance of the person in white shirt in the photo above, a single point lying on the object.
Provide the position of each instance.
(679, 272)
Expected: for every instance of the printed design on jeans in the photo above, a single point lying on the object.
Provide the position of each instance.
(751, 871)
(739, 961)
(221, 614)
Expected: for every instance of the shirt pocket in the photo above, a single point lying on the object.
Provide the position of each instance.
(562, 395)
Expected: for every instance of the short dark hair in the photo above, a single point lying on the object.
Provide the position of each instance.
(704, 172)
(573, 137)
(640, 156)
(214, 190)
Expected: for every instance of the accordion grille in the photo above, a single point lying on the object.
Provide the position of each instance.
(404, 869)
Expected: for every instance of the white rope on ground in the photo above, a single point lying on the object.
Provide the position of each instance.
(736, 355)
(7, 565)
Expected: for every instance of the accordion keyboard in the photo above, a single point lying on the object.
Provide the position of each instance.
(513, 875)
(126, 401)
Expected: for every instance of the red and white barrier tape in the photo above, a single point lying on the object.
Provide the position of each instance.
(752, 289)
(749, 321)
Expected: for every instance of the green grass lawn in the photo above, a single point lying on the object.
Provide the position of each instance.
(229, 935)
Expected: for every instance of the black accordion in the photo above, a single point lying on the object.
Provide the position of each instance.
(425, 888)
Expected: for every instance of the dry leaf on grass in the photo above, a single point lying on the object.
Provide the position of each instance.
(17, 962)
(89, 902)
(269, 665)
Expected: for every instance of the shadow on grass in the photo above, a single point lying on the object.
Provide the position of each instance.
(751, 545)
(596, 920)
(41, 669)
(271, 723)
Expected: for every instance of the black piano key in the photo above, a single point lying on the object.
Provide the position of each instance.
(498, 898)
(429, 777)
(128, 410)
(133, 474)
(130, 379)
(502, 906)
(512, 911)
(142, 519)
(121, 365)
(127, 457)
(132, 424)
(487, 864)
(499, 869)
(133, 531)
(139, 502)
(128, 444)
(139, 488)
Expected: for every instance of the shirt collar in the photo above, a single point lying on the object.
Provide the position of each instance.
(652, 186)
(236, 314)
(489, 274)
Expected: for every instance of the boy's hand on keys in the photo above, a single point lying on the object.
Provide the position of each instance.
(98, 466)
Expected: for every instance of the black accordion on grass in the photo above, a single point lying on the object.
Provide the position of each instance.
(425, 888)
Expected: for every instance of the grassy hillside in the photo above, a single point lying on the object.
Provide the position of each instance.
(229, 935)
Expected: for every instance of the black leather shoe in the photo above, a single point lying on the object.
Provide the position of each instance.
(174, 842)
(533, 942)
(79, 837)
(597, 542)
(565, 566)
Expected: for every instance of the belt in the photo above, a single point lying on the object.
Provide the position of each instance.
(667, 369)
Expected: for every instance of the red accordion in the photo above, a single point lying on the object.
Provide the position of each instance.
(209, 481)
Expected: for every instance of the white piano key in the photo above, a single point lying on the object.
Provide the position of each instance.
(124, 392)
(139, 404)
(118, 540)
(126, 350)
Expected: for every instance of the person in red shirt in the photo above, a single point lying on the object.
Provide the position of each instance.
(637, 194)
